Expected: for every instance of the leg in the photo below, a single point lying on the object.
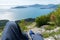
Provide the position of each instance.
(12, 32)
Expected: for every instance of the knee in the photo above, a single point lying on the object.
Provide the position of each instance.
(10, 24)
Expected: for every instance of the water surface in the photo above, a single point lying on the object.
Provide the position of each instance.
(23, 13)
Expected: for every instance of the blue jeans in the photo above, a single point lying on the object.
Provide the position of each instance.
(13, 32)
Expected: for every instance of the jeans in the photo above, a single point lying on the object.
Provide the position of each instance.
(13, 32)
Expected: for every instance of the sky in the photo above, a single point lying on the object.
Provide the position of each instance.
(10, 3)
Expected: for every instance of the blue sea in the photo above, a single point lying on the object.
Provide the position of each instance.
(22, 13)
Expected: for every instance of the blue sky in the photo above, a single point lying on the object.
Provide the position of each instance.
(10, 3)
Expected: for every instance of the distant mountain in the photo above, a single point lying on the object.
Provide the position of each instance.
(35, 5)
(38, 5)
(44, 6)
(51, 6)
(18, 7)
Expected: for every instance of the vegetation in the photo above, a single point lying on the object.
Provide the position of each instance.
(42, 20)
(23, 23)
(2, 24)
(50, 27)
(45, 34)
(53, 18)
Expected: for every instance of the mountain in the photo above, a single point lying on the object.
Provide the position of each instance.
(51, 6)
(18, 7)
(37, 5)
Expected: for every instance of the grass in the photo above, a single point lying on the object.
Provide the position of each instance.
(24, 28)
(0, 34)
(45, 34)
(50, 27)
(1, 29)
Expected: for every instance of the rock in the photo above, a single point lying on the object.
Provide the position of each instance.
(57, 37)
(50, 38)
(38, 30)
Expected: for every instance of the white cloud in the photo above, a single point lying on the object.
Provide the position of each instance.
(23, 2)
(9, 3)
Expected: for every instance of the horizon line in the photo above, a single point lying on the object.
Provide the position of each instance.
(28, 4)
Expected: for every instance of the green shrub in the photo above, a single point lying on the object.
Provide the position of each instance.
(42, 20)
(22, 25)
(57, 16)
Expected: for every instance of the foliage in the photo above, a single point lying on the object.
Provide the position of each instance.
(52, 17)
(22, 25)
(3, 22)
(50, 27)
(42, 20)
(56, 18)
(45, 34)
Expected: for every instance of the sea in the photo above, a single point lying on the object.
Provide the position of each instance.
(23, 13)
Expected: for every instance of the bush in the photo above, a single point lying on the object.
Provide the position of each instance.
(56, 18)
(42, 20)
(22, 25)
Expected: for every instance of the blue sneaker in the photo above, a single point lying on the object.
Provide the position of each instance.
(35, 36)
(31, 33)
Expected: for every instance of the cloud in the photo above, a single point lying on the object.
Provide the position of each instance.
(10, 3)
(22, 2)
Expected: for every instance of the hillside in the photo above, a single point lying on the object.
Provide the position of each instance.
(49, 6)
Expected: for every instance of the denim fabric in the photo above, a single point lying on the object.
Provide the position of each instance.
(12, 32)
